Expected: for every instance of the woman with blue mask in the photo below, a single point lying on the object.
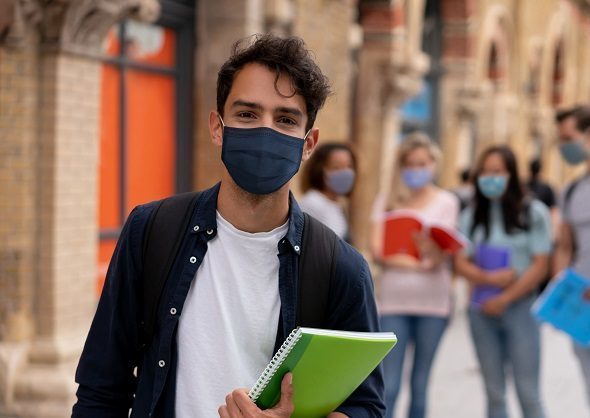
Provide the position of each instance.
(511, 242)
(328, 179)
(414, 297)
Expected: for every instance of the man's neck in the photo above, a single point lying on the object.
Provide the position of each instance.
(252, 213)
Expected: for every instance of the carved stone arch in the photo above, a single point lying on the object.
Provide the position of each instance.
(83, 24)
(15, 17)
(494, 44)
(557, 47)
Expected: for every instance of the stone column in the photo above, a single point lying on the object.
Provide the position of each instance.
(461, 95)
(63, 260)
(389, 73)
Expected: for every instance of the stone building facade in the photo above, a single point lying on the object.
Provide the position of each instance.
(497, 70)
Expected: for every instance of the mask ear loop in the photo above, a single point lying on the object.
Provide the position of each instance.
(221, 120)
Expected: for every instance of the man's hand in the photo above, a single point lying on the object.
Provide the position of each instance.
(238, 404)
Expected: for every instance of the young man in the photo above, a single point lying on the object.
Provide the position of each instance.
(230, 299)
(573, 244)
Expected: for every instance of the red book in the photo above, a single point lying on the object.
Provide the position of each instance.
(400, 226)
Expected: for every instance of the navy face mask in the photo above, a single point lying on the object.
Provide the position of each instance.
(260, 160)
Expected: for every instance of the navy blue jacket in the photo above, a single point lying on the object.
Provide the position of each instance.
(106, 372)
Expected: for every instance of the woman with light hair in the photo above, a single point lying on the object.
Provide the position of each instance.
(414, 295)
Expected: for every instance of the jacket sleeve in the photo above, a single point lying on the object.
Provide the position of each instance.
(105, 372)
(353, 308)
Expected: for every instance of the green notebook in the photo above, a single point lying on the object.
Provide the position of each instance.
(327, 367)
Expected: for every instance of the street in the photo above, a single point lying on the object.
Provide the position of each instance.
(456, 389)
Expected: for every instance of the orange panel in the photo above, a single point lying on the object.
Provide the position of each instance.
(151, 142)
(109, 170)
(112, 44)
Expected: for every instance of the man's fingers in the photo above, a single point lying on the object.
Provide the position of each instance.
(244, 403)
(286, 402)
(232, 407)
(223, 413)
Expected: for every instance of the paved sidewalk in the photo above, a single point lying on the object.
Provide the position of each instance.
(456, 389)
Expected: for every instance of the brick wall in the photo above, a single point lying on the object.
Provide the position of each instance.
(18, 156)
(68, 193)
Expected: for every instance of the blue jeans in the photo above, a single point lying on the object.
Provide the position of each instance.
(425, 332)
(583, 354)
(511, 339)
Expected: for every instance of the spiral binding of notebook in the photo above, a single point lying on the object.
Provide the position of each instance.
(274, 364)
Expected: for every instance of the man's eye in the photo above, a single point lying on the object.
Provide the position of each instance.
(246, 115)
(287, 120)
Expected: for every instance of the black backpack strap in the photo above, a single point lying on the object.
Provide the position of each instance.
(164, 234)
(316, 272)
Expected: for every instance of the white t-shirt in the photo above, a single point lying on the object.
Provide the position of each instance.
(228, 325)
(326, 211)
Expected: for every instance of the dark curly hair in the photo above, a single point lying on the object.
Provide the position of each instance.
(284, 56)
(313, 172)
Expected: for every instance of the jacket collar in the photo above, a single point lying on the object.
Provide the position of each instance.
(204, 219)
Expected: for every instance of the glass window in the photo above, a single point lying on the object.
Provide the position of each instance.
(150, 44)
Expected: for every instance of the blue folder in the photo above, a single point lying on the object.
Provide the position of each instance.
(489, 258)
(562, 305)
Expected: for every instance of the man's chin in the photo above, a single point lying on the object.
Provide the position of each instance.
(256, 197)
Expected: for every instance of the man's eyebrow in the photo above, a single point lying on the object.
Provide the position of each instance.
(290, 110)
(251, 105)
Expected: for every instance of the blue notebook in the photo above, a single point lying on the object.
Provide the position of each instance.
(489, 258)
(563, 306)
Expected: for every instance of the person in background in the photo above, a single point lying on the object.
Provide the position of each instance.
(464, 191)
(540, 189)
(414, 299)
(543, 192)
(503, 329)
(573, 242)
(328, 177)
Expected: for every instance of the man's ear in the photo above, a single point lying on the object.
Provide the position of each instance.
(215, 128)
(310, 143)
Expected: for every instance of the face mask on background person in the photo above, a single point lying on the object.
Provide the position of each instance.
(574, 152)
(260, 160)
(340, 181)
(492, 187)
(416, 178)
